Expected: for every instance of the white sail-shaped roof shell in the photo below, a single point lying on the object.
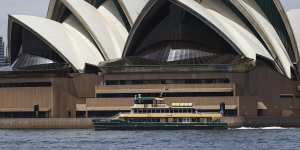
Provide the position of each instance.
(105, 27)
(220, 16)
(63, 39)
(265, 28)
(294, 17)
(85, 47)
(114, 24)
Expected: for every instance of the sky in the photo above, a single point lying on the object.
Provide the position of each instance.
(13, 7)
(291, 4)
(40, 7)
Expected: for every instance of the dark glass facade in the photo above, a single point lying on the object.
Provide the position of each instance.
(33, 53)
(169, 81)
(177, 94)
(26, 84)
(176, 35)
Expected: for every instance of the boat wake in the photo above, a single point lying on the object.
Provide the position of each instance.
(262, 128)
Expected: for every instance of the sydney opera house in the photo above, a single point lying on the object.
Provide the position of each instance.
(89, 58)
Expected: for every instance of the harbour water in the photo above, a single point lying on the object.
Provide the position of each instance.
(232, 139)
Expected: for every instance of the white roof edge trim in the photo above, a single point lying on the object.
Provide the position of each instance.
(132, 8)
(54, 34)
(51, 7)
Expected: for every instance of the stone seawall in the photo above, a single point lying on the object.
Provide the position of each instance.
(272, 121)
(235, 122)
(46, 123)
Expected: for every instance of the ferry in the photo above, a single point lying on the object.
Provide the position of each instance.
(150, 113)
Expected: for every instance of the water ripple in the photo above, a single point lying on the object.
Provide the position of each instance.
(235, 139)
